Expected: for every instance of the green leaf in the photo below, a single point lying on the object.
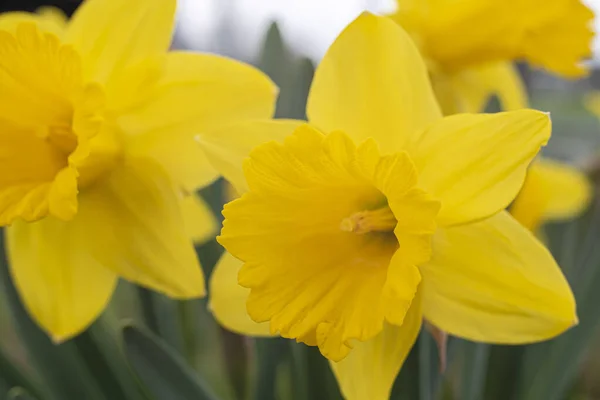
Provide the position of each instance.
(18, 393)
(269, 355)
(61, 367)
(299, 369)
(162, 371)
(161, 316)
(429, 366)
(11, 375)
(101, 348)
(473, 362)
(406, 386)
(322, 382)
(291, 74)
(235, 358)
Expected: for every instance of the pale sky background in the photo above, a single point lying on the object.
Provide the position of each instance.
(308, 25)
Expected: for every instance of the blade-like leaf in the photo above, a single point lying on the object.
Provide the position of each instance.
(11, 375)
(269, 355)
(161, 370)
(102, 350)
(18, 393)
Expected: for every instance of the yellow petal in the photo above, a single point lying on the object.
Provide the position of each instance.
(54, 18)
(228, 299)
(227, 148)
(111, 34)
(552, 191)
(372, 83)
(186, 95)
(492, 281)
(470, 89)
(555, 35)
(476, 164)
(564, 42)
(370, 369)
(50, 19)
(200, 222)
(62, 284)
(134, 222)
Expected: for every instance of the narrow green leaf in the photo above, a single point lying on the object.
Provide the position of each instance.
(235, 357)
(61, 367)
(322, 382)
(18, 393)
(503, 372)
(275, 57)
(161, 316)
(295, 92)
(474, 361)
(406, 386)
(11, 375)
(299, 370)
(429, 366)
(162, 371)
(269, 355)
(101, 348)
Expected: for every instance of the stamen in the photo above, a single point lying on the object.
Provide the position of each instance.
(379, 220)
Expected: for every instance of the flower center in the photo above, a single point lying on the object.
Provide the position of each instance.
(61, 137)
(378, 220)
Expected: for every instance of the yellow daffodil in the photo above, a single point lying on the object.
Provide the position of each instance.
(470, 45)
(97, 124)
(553, 191)
(378, 213)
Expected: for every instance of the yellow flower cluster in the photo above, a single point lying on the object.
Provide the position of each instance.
(386, 208)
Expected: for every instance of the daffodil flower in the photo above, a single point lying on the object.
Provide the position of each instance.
(97, 126)
(470, 45)
(553, 191)
(377, 213)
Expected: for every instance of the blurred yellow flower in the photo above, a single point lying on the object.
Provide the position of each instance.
(552, 191)
(592, 103)
(378, 213)
(470, 45)
(97, 123)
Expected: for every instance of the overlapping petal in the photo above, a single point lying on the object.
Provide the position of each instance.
(228, 299)
(373, 83)
(470, 89)
(476, 164)
(555, 35)
(226, 148)
(370, 369)
(200, 222)
(132, 224)
(552, 191)
(181, 96)
(492, 281)
(112, 34)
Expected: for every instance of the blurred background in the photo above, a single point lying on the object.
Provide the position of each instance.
(286, 39)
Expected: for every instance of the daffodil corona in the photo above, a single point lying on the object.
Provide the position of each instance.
(469, 45)
(97, 123)
(377, 213)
